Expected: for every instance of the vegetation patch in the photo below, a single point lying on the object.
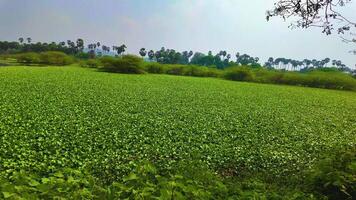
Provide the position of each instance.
(128, 64)
(53, 118)
(55, 58)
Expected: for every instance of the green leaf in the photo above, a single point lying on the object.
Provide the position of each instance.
(33, 183)
(130, 177)
(7, 194)
(58, 174)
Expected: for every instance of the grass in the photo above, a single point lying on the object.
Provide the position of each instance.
(79, 118)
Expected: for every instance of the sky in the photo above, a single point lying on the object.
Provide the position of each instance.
(198, 25)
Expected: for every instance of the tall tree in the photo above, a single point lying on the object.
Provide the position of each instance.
(151, 55)
(143, 52)
(121, 49)
(21, 40)
(80, 44)
(29, 40)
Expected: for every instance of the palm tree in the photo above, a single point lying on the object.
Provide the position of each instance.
(121, 49)
(114, 48)
(237, 57)
(228, 57)
(80, 44)
(151, 55)
(21, 40)
(224, 53)
(104, 48)
(143, 52)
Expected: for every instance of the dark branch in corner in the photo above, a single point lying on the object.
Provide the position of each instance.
(314, 13)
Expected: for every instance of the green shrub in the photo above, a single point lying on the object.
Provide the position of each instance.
(45, 58)
(55, 58)
(319, 79)
(239, 74)
(201, 71)
(335, 175)
(176, 69)
(91, 63)
(156, 68)
(329, 79)
(185, 70)
(268, 75)
(82, 55)
(66, 184)
(129, 64)
(145, 182)
(28, 58)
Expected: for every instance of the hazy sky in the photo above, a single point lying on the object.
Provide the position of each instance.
(198, 25)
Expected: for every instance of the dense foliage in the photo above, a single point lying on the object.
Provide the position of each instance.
(335, 175)
(126, 64)
(43, 58)
(143, 183)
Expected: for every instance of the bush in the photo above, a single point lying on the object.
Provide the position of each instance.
(45, 58)
(129, 64)
(201, 71)
(328, 80)
(28, 58)
(335, 175)
(143, 183)
(156, 68)
(239, 74)
(176, 69)
(55, 58)
(268, 76)
(91, 63)
(82, 55)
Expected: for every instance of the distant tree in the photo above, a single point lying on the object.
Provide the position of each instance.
(151, 55)
(121, 49)
(80, 44)
(105, 48)
(92, 48)
(224, 53)
(143, 52)
(269, 63)
(62, 44)
(21, 40)
(158, 56)
(190, 54)
(246, 60)
(197, 59)
(29, 40)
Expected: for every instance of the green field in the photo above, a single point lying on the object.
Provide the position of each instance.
(52, 117)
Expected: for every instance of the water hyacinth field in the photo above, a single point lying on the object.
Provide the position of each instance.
(52, 118)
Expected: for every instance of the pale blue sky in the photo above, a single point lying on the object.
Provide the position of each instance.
(198, 25)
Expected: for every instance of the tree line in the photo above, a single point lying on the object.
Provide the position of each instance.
(220, 60)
